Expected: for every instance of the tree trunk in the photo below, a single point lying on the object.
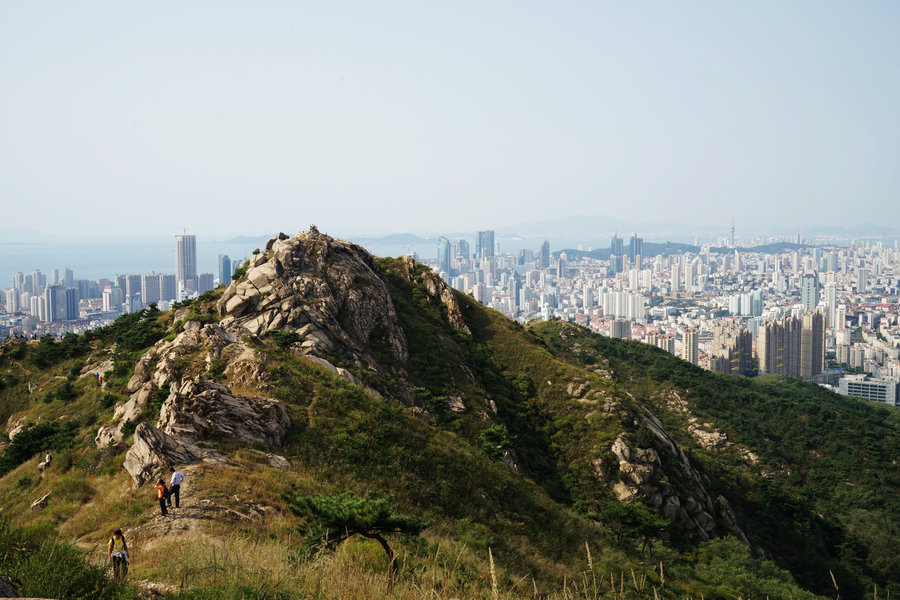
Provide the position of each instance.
(392, 576)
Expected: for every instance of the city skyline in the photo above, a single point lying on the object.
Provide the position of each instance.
(372, 119)
(814, 312)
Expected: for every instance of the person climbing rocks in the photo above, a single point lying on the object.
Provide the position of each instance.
(175, 487)
(117, 553)
(163, 492)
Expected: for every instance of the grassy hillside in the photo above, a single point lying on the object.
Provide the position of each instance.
(489, 437)
(821, 489)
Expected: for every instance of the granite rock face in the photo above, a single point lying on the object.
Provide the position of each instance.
(153, 450)
(639, 475)
(203, 409)
(327, 291)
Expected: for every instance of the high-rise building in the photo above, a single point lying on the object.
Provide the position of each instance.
(809, 290)
(544, 256)
(484, 245)
(862, 275)
(205, 282)
(732, 349)
(812, 345)
(636, 251)
(666, 341)
(186, 262)
(113, 298)
(620, 328)
(793, 347)
(71, 304)
(12, 300)
(778, 347)
(150, 289)
(616, 249)
(675, 275)
(51, 297)
(830, 304)
(38, 281)
(224, 269)
(168, 288)
(443, 256)
(133, 289)
(690, 347)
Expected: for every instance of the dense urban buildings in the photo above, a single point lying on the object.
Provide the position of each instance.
(813, 311)
(35, 305)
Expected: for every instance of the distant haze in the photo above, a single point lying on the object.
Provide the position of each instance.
(229, 119)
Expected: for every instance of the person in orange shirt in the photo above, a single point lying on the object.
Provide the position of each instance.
(161, 488)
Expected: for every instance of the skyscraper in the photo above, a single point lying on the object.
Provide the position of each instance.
(732, 349)
(225, 269)
(778, 347)
(812, 345)
(636, 251)
(830, 303)
(205, 282)
(484, 245)
(150, 289)
(186, 262)
(51, 300)
(690, 350)
(544, 257)
(444, 255)
(615, 254)
(809, 290)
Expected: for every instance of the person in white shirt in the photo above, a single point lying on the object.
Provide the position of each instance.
(175, 487)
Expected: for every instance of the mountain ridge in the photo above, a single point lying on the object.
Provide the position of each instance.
(532, 442)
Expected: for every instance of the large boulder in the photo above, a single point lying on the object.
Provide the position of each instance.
(203, 409)
(153, 450)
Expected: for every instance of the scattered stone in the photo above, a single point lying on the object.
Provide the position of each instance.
(41, 503)
(279, 462)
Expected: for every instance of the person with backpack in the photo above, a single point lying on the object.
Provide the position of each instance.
(163, 494)
(117, 553)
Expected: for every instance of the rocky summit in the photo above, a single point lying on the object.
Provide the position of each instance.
(327, 291)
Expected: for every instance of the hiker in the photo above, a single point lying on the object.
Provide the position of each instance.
(163, 492)
(117, 552)
(175, 486)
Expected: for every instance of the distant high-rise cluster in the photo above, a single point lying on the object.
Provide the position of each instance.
(37, 304)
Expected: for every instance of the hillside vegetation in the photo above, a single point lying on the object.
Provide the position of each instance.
(538, 461)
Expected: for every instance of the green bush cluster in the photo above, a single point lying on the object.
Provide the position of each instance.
(39, 438)
(43, 567)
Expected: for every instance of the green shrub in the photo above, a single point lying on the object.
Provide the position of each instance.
(40, 438)
(46, 568)
(284, 339)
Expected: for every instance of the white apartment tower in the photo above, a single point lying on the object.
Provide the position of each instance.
(186, 262)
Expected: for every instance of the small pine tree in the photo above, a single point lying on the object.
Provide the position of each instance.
(334, 519)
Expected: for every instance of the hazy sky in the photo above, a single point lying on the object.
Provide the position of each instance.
(371, 117)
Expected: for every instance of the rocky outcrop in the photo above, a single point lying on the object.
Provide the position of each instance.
(202, 409)
(154, 450)
(640, 476)
(327, 291)
(436, 288)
